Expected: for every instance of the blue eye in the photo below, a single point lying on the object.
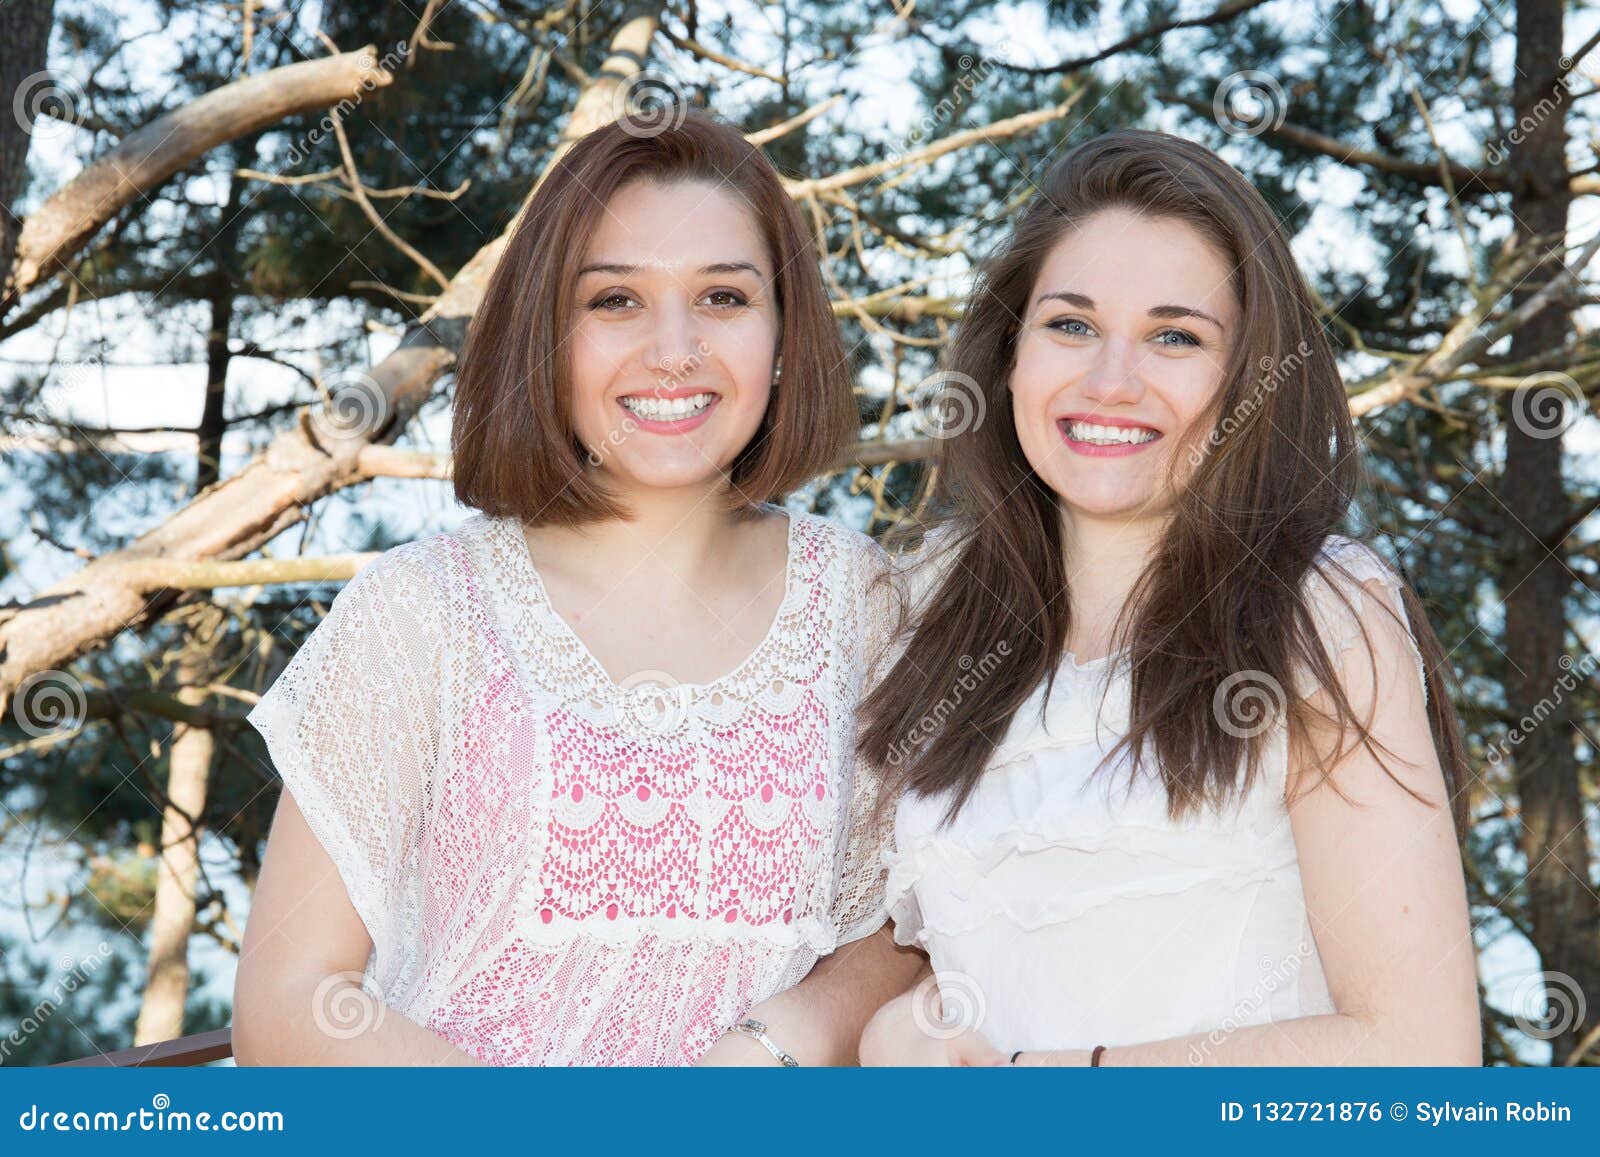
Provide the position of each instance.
(1060, 324)
(1184, 336)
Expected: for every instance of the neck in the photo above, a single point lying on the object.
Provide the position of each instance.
(680, 530)
(1105, 557)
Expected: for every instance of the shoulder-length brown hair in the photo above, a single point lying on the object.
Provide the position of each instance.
(1223, 591)
(512, 439)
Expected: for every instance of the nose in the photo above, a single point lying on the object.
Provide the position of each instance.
(673, 349)
(1115, 375)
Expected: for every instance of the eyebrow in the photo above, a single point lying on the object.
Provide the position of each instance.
(716, 267)
(1161, 311)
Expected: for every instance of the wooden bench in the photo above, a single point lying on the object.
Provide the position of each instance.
(200, 1049)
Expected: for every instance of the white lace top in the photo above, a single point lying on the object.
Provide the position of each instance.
(559, 869)
(1063, 912)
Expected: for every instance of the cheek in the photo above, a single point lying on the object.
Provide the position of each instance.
(1037, 378)
(596, 356)
(746, 354)
(1188, 391)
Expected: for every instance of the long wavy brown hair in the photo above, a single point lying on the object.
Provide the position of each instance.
(1222, 594)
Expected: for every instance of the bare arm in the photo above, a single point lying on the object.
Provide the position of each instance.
(297, 998)
(820, 1020)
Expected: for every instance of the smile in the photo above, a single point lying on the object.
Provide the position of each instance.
(1098, 439)
(667, 410)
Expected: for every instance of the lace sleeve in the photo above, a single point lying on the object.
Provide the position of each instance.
(859, 907)
(351, 725)
(1339, 600)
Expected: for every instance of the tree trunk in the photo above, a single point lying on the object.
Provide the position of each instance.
(213, 415)
(167, 986)
(1535, 582)
(24, 51)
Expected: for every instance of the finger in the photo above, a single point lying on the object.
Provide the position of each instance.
(973, 1048)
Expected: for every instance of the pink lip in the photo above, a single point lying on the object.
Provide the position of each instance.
(1093, 450)
(681, 426)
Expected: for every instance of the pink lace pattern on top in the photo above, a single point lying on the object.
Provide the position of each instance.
(604, 873)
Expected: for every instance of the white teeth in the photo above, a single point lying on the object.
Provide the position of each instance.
(1108, 435)
(667, 409)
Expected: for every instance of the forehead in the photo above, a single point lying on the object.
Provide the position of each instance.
(675, 227)
(1124, 259)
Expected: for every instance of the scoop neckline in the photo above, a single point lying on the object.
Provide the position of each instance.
(533, 582)
(1077, 664)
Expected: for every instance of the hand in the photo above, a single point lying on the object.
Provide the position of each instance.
(911, 1030)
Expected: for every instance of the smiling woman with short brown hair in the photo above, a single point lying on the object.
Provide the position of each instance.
(584, 766)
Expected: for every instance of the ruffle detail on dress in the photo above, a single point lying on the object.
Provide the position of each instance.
(900, 897)
(964, 878)
(962, 856)
(1339, 625)
(1088, 703)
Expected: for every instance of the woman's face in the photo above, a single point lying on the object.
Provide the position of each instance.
(674, 332)
(1121, 347)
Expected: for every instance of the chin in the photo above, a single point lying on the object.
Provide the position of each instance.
(699, 474)
(1110, 507)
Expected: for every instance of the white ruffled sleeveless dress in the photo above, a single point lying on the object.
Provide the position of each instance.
(1062, 912)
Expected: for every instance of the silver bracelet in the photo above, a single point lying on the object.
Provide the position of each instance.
(757, 1030)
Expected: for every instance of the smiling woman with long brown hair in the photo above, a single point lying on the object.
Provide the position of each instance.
(1178, 776)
